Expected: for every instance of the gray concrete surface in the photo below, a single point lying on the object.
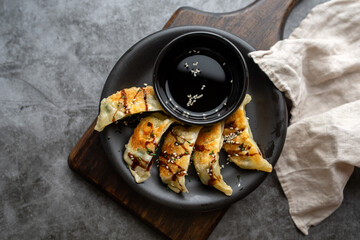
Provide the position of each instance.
(54, 59)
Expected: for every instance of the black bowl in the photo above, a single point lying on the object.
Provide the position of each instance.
(200, 78)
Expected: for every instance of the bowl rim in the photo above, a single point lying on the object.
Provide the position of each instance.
(217, 37)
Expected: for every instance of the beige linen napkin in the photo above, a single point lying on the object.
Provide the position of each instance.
(318, 69)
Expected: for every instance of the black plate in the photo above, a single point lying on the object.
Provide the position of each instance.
(268, 120)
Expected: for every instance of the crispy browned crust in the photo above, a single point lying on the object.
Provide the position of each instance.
(175, 156)
(239, 143)
(206, 157)
(140, 151)
(124, 103)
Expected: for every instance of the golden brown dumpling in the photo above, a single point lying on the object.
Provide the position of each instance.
(239, 142)
(140, 151)
(175, 156)
(125, 103)
(206, 157)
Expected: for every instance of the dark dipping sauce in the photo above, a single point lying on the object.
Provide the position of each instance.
(207, 80)
(200, 78)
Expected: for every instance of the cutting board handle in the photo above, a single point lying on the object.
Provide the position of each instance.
(260, 24)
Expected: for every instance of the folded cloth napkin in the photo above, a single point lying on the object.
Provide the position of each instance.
(318, 69)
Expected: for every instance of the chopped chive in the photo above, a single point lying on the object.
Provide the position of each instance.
(211, 153)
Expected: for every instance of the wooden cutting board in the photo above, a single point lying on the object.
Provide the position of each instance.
(261, 25)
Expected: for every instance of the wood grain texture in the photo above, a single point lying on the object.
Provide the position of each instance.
(260, 24)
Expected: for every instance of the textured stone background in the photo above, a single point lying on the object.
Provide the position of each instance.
(54, 59)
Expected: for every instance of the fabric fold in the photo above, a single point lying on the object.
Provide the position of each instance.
(318, 69)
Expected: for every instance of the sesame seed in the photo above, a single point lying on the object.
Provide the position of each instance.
(192, 99)
(145, 84)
